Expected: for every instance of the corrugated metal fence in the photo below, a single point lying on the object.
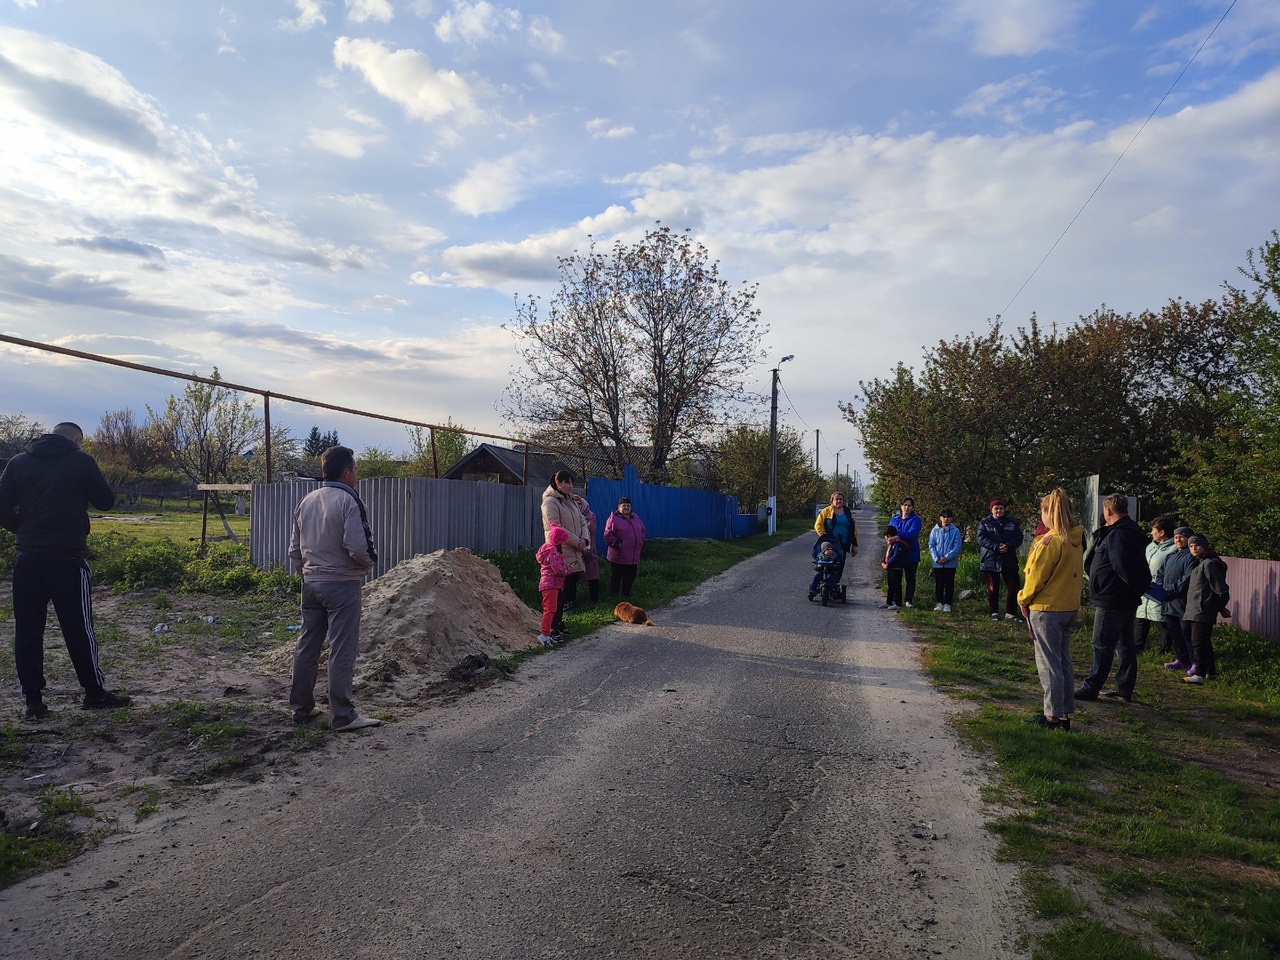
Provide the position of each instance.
(1255, 595)
(421, 515)
(418, 515)
(668, 511)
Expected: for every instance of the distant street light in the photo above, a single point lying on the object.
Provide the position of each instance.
(838, 452)
(773, 449)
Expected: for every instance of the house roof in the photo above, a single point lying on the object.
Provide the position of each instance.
(511, 464)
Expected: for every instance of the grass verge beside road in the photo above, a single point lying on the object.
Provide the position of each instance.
(1152, 829)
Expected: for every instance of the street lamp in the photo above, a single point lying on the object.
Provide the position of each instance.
(773, 449)
(838, 452)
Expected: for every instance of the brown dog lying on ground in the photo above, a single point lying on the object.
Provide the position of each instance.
(629, 613)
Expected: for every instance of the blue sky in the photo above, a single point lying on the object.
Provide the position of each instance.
(339, 199)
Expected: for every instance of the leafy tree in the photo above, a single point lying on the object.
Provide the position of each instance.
(16, 431)
(639, 356)
(990, 414)
(452, 443)
(1226, 480)
(742, 461)
(208, 431)
(372, 462)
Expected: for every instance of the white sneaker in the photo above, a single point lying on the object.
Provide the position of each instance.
(946, 608)
(1010, 616)
(907, 605)
(892, 606)
(937, 608)
(356, 723)
(545, 640)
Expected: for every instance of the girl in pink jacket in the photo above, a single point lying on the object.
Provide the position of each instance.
(553, 567)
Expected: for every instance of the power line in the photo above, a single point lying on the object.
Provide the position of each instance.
(1185, 68)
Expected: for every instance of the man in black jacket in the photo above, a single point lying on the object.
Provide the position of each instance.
(1118, 576)
(45, 495)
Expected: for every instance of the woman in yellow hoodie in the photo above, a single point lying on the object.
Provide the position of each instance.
(1050, 600)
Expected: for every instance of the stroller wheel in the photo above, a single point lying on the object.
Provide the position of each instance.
(825, 595)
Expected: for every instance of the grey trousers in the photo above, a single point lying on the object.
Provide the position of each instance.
(1051, 636)
(332, 608)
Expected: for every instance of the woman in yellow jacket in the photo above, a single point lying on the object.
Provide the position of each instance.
(1050, 600)
(837, 521)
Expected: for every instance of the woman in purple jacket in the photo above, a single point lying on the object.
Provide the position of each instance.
(624, 535)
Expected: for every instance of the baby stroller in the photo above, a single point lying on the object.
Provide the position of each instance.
(828, 568)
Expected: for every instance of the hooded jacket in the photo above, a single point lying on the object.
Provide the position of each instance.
(45, 495)
(945, 542)
(1207, 591)
(1174, 575)
(909, 533)
(1149, 609)
(551, 561)
(559, 508)
(1117, 566)
(1055, 572)
(331, 538)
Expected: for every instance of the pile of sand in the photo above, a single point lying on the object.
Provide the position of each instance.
(432, 611)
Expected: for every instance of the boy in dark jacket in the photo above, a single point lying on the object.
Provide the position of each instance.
(894, 564)
(999, 537)
(1207, 597)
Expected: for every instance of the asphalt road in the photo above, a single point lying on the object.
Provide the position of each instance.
(756, 776)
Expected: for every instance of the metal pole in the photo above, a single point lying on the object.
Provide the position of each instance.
(773, 455)
(266, 425)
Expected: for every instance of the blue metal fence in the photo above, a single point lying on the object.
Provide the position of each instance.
(669, 511)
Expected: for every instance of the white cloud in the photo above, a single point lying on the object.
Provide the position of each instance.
(384, 302)
(474, 22)
(603, 129)
(361, 11)
(405, 77)
(489, 187)
(343, 143)
(310, 14)
(618, 58)
(1018, 27)
(544, 37)
(1011, 100)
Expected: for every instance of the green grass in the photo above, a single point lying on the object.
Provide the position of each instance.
(1164, 805)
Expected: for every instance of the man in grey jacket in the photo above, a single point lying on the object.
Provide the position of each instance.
(45, 494)
(332, 547)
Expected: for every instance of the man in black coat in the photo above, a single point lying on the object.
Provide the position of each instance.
(1118, 576)
(45, 495)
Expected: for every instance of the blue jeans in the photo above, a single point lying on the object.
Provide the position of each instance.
(1112, 637)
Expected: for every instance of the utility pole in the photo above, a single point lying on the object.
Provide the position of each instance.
(773, 449)
(817, 466)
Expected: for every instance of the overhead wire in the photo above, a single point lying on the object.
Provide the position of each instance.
(1150, 116)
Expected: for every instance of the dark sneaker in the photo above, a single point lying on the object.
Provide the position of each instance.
(308, 716)
(995, 617)
(812, 594)
(37, 710)
(1086, 694)
(1040, 720)
(105, 700)
(1115, 696)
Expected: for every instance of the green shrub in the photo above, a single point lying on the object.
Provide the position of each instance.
(161, 563)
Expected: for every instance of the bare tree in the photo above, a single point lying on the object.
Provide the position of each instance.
(122, 441)
(640, 355)
(16, 431)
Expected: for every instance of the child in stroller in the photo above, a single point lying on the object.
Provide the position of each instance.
(828, 568)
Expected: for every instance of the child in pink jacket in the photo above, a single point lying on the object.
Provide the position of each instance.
(553, 572)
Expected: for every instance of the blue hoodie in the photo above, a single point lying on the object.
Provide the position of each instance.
(945, 542)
